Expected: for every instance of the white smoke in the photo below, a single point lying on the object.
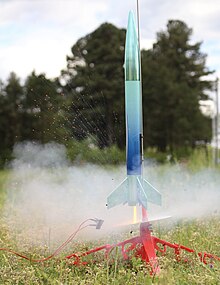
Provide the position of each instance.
(187, 194)
(47, 198)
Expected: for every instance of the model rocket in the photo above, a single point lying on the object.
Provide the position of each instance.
(134, 189)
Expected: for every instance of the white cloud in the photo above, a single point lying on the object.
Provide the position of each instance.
(147, 43)
(39, 55)
(45, 32)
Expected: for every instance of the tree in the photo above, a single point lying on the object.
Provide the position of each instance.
(43, 119)
(173, 84)
(4, 126)
(12, 111)
(11, 96)
(95, 84)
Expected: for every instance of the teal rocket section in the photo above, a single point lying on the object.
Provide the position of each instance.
(133, 107)
(132, 52)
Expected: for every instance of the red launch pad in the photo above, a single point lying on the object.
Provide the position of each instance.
(145, 246)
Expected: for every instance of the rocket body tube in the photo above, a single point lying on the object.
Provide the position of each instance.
(134, 189)
(133, 128)
(133, 101)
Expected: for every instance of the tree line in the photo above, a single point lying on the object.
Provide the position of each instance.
(87, 100)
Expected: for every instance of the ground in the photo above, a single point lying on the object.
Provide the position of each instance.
(201, 234)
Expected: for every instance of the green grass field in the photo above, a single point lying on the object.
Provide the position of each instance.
(201, 234)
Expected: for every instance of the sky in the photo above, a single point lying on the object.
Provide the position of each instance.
(38, 34)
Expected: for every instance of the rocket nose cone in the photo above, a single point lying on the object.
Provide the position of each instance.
(131, 29)
(131, 18)
(131, 51)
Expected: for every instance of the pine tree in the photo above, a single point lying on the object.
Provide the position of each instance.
(13, 108)
(173, 84)
(95, 83)
(43, 117)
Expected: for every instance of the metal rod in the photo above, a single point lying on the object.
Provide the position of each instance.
(213, 139)
(216, 123)
(144, 212)
(140, 69)
(139, 37)
(138, 21)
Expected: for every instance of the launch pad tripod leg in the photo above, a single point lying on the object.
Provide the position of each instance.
(148, 250)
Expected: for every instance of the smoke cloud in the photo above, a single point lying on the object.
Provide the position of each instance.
(47, 197)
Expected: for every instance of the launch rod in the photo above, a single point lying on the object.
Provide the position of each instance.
(138, 26)
(139, 44)
(144, 211)
(140, 69)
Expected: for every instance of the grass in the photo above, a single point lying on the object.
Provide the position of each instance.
(200, 234)
(86, 151)
(3, 177)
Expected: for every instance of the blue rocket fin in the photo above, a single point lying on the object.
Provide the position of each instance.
(119, 195)
(148, 193)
